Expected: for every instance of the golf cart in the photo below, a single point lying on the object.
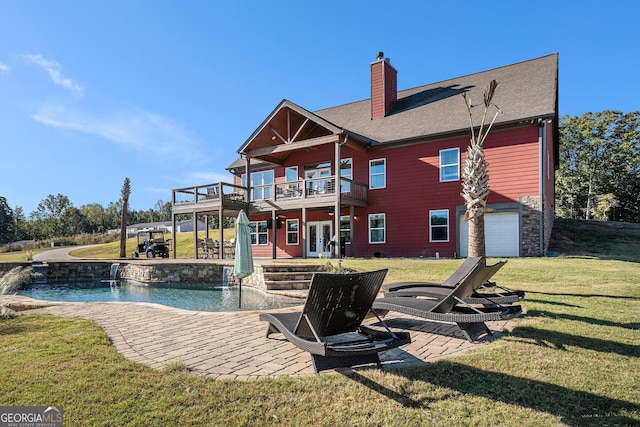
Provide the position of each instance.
(151, 243)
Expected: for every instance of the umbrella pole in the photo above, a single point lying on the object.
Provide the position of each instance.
(240, 295)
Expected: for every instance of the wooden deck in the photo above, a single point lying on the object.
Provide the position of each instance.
(231, 198)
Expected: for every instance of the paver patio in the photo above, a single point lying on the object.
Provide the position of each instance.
(233, 344)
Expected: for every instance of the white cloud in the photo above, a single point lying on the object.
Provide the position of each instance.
(138, 129)
(3, 67)
(54, 70)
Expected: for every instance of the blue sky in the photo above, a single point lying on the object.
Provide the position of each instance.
(166, 92)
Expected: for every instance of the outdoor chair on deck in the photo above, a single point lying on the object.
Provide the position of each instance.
(488, 292)
(453, 307)
(330, 323)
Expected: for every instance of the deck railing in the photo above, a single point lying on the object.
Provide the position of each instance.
(316, 187)
(208, 192)
(304, 188)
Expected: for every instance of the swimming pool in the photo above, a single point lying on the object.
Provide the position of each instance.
(217, 298)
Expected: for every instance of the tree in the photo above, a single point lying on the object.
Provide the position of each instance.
(475, 181)
(164, 210)
(599, 155)
(21, 225)
(7, 223)
(48, 215)
(95, 217)
(72, 222)
(124, 196)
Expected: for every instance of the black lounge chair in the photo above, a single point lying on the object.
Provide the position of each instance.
(329, 326)
(488, 293)
(453, 307)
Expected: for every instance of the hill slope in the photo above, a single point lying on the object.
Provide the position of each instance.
(602, 239)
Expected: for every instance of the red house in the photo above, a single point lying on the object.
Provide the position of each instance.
(383, 176)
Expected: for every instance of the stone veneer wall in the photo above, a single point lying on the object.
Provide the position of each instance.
(7, 266)
(256, 279)
(531, 226)
(530, 245)
(196, 273)
(65, 270)
(207, 273)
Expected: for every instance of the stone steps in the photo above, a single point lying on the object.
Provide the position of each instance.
(289, 276)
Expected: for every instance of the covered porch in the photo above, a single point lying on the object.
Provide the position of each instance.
(304, 199)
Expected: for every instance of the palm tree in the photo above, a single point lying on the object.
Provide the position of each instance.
(125, 193)
(475, 182)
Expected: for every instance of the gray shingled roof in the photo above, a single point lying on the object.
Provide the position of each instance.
(526, 90)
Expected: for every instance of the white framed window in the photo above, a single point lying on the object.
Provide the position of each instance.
(377, 173)
(345, 228)
(293, 232)
(291, 174)
(439, 226)
(259, 232)
(377, 232)
(450, 165)
(346, 171)
(261, 184)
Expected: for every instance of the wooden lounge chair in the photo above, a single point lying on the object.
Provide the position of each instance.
(330, 324)
(487, 294)
(453, 307)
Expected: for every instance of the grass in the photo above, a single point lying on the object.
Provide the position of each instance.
(574, 359)
(184, 246)
(111, 251)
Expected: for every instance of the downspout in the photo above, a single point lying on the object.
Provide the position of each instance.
(542, 140)
(337, 207)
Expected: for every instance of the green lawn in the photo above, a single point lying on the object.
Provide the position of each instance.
(111, 251)
(574, 359)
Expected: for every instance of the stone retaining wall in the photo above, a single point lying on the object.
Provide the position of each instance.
(147, 272)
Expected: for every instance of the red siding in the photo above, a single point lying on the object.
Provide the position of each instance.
(413, 188)
(513, 166)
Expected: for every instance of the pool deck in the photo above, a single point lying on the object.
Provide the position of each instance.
(233, 345)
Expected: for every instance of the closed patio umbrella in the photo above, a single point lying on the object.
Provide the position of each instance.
(243, 263)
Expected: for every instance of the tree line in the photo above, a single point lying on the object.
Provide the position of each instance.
(599, 175)
(56, 217)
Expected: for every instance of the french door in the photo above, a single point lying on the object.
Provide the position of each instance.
(318, 238)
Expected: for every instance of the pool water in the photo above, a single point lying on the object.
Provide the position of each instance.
(220, 298)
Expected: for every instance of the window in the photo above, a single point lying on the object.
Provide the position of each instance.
(377, 174)
(261, 184)
(346, 171)
(291, 174)
(439, 226)
(292, 232)
(376, 228)
(259, 233)
(316, 178)
(450, 165)
(345, 228)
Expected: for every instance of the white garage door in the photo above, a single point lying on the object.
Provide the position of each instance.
(502, 232)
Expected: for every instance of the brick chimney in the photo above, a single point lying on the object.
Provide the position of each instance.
(384, 86)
